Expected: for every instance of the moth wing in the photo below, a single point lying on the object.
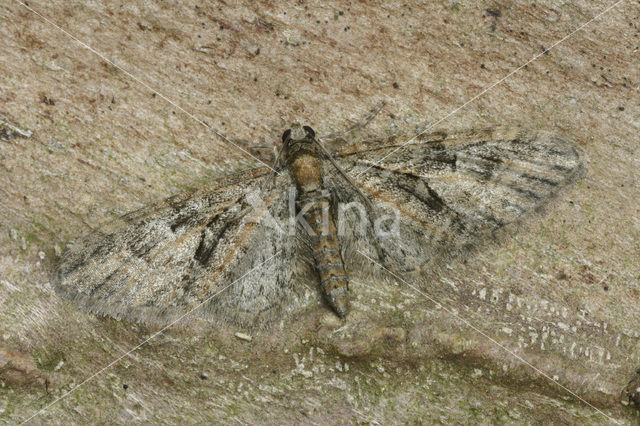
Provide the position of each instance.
(221, 249)
(448, 190)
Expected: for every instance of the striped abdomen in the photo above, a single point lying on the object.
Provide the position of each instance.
(313, 204)
(326, 250)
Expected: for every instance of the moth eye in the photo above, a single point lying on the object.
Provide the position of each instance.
(309, 131)
(285, 135)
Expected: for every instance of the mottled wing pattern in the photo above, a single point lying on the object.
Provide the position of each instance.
(157, 263)
(451, 189)
(214, 248)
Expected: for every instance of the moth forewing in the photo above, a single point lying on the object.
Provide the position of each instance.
(347, 212)
(387, 223)
(454, 189)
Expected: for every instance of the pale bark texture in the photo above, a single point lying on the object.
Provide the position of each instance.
(559, 296)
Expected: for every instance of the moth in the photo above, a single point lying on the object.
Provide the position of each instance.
(255, 246)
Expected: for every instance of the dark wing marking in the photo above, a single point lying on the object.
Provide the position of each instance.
(159, 262)
(452, 189)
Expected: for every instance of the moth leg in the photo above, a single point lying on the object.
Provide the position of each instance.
(264, 152)
(359, 125)
(305, 245)
(305, 254)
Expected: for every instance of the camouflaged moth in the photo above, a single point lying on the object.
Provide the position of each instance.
(225, 246)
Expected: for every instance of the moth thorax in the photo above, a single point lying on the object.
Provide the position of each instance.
(306, 169)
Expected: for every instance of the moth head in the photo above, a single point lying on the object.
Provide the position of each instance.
(298, 133)
(296, 139)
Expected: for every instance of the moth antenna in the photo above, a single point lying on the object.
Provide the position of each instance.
(343, 173)
(360, 124)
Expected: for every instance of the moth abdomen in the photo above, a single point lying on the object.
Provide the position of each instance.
(326, 252)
